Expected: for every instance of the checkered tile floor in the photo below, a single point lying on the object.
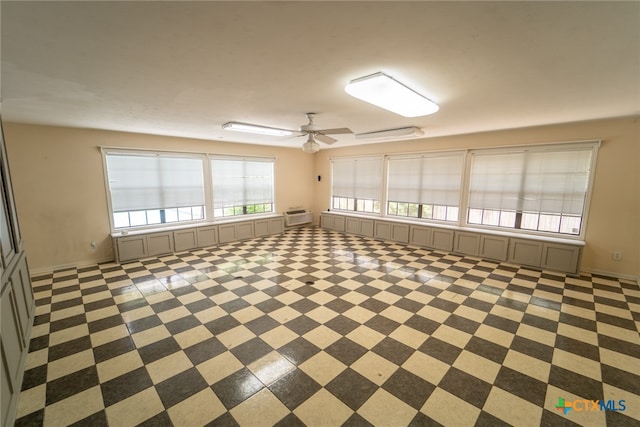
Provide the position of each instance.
(318, 328)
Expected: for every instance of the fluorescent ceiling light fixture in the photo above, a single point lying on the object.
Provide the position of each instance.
(262, 130)
(385, 92)
(406, 132)
(311, 146)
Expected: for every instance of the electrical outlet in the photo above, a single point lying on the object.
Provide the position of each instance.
(617, 255)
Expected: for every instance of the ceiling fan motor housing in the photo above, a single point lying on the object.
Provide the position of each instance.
(309, 127)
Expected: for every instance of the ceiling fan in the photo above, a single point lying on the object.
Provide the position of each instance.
(314, 133)
(321, 135)
(310, 130)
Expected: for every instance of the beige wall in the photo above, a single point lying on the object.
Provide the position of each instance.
(60, 192)
(614, 215)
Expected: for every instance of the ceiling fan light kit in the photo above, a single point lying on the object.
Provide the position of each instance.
(311, 146)
(385, 92)
(406, 132)
(262, 130)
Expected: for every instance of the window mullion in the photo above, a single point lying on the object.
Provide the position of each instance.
(463, 213)
(521, 193)
(208, 188)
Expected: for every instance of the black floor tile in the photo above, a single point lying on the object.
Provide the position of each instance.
(105, 323)
(222, 324)
(205, 350)
(465, 386)
(69, 348)
(183, 324)
(181, 386)
(294, 388)
(393, 350)
(112, 349)
(409, 388)
(68, 322)
(578, 347)
(99, 419)
(351, 388)
(440, 350)
(126, 385)
(34, 377)
(577, 384)
(532, 348)
(487, 349)
(159, 349)
(301, 324)
(298, 350)
(530, 389)
(485, 419)
(382, 324)
(422, 324)
(251, 350)
(346, 351)
(623, 380)
(143, 324)
(236, 388)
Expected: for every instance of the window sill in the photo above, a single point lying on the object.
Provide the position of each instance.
(489, 231)
(194, 224)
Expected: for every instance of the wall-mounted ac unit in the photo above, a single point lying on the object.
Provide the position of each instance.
(297, 217)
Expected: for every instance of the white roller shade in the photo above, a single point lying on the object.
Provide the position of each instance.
(426, 180)
(496, 180)
(142, 182)
(404, 180)
(241, 182)
(343, 178)
(556, 182)
(357, 178)
(531, 181)
(441, 178)
(258, 182)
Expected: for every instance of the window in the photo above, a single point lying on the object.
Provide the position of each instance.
(425, 186)
(357, 184)
(151, 188)
(242, 186)
(156, 188)
(537, 189)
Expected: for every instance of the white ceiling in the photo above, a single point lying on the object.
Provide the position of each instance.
(185, 68)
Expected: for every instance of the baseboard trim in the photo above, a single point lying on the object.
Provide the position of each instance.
(45, 270)
(615, 275)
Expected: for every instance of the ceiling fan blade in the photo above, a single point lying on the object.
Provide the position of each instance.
(296, 135)
(260, 129)
(335, 131)
(324, 138)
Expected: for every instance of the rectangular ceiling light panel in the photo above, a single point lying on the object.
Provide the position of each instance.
(399, 133)
(262, 130)
(385, 92)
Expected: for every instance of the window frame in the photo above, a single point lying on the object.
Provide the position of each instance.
(244, 214)
(208, 207)
(464, 195)
(106, 151)
(421, 207)
(592, 146)
(376, 204)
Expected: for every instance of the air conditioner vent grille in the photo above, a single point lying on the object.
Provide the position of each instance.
(297, 211)
(297, 217)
